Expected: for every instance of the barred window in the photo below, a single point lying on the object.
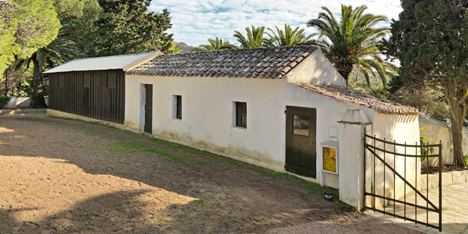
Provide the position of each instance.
(179, 107)
(241, 114)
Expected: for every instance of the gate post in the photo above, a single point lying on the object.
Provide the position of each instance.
(351, 158)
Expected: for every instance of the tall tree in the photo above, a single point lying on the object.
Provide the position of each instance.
(352, 42)
(289, 37)
(253, 39)
(434, 52)
(215, 44)
(26, 25)
(128, 27)
(77, 18)
(74, 16)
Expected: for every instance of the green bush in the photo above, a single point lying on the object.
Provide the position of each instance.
(3, 101)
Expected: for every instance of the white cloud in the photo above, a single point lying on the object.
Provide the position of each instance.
(197, 20)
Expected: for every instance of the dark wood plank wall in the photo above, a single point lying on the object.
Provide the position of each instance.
(104, 99)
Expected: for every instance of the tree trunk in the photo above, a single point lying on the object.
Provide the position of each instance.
(36, 72)
(458, 113)
(344, 68)
(6, 82)
(457, 136)
(37, 97)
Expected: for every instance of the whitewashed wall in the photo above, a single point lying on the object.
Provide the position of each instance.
(441, 131)
(399, 129)
(207, 121)
(316, 69)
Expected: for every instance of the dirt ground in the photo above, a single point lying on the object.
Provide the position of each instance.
(64, 176)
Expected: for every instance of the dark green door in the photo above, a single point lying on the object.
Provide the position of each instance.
(301, 141)
(149, 109)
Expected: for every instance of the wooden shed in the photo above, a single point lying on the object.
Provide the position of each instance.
(93, 87)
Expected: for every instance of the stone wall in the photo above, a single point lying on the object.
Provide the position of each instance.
(448, 178)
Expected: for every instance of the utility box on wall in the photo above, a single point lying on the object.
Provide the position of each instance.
(330, 157)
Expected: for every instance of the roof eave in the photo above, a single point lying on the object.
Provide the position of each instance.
(143, 60)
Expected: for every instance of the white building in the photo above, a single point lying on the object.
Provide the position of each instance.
(273, 107)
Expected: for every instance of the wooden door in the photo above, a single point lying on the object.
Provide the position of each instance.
(149, 109)
(301, 141)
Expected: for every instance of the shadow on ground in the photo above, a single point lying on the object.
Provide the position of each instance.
(117, 181)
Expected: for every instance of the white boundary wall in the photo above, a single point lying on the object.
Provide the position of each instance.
(439, 130)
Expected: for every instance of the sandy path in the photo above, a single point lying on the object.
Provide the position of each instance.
(61, 176)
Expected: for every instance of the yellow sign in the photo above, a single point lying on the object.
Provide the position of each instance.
(329, 159)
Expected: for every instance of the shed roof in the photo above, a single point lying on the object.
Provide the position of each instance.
(123, 62)
(272, 62)
(360, 98)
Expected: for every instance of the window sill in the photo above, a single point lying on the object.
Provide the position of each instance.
(239, 127)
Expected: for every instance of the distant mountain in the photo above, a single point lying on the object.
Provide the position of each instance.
(186, 49)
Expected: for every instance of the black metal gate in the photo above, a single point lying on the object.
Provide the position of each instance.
(382, 154)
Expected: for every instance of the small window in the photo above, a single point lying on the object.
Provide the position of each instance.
(111, 80)
(301, 125)
(241, 114)
(179, 107)
(86, 80)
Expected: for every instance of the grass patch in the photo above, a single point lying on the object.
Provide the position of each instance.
(310, 186)
(200, 202)
(185, 161)
(158, 151)
(132, 145)
(90, 134)
(159, 218)
(121, 150)
(129, 146)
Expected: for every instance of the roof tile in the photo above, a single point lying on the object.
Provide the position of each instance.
(360, 98)
(272, 62)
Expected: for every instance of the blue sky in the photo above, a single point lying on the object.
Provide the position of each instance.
(194, 21)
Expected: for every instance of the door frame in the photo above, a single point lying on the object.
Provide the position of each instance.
(307, 142)
(143, 107)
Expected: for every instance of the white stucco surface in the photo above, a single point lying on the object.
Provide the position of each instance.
(207, 121)
(441, 131)
(400, 129)
(316, 69)
(351, 135)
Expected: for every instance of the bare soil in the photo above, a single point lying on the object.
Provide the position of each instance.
(63, 176)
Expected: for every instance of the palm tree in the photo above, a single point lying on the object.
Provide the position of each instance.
(60, 50)
(215, 44)
(353, 42)
(173, 49)
(254, 38)
(289, 37)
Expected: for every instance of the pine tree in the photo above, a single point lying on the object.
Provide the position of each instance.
(433, 52)
(127, 27)
(26, 26)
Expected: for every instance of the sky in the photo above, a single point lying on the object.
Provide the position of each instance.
(194, 21)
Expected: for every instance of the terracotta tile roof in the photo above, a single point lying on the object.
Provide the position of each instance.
(360, 98)
(272, 62)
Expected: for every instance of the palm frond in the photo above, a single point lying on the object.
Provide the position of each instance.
(352, 42)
